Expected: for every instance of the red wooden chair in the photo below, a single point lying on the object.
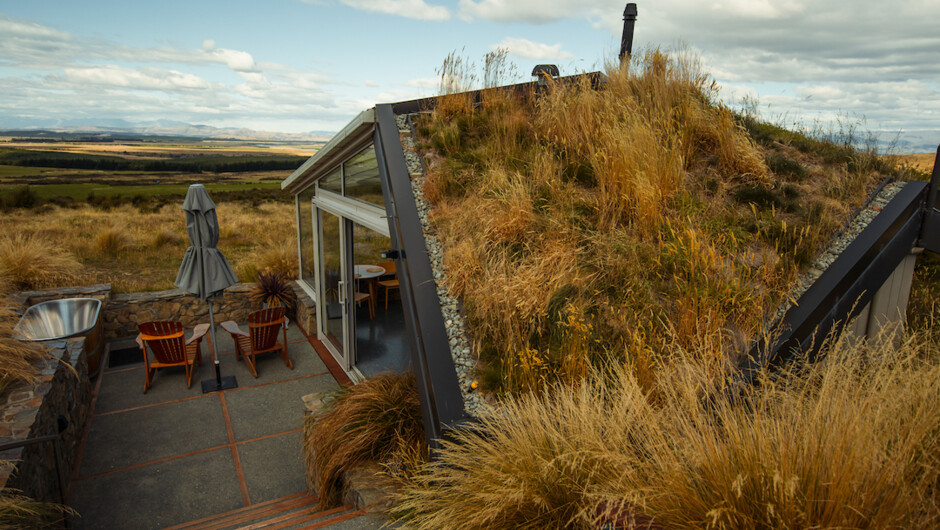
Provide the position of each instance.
(261, 337)
(170, 348)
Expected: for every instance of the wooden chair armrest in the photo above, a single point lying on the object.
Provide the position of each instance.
(198, 332)
(232, 328)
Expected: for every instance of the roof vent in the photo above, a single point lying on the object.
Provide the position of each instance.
(626, 41)
(544, 72)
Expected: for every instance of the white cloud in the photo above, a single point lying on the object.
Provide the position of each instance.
(532, 50)
(370, 83)
(416, 9)
(234, 59)
(143, 79)
(530, 11)
(424, 83)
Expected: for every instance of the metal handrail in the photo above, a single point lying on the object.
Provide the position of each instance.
(845, 288)
(62, 424)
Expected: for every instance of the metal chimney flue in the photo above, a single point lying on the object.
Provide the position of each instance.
(626, 41)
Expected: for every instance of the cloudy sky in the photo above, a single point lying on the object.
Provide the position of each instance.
(311, 65)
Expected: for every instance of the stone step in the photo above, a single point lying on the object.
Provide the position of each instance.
(293, 512)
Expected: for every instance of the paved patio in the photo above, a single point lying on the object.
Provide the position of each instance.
(175, 455)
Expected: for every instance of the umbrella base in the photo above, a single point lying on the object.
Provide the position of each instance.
(214, 385)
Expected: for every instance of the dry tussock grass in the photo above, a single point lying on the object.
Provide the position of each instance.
(850, 442)
(374, 420)
(18, 511)
(32, 262)
(112, 241)
(642, 206)
(16, 357)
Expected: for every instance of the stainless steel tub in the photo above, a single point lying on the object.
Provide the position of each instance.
(60, 319)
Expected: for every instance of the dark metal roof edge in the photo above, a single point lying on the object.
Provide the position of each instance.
(428, 103)
(435, 372)
(352, 133)
(849, 283)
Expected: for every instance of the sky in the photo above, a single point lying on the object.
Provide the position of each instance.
(312, 65)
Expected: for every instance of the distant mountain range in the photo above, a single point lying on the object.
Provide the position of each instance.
(158, 128)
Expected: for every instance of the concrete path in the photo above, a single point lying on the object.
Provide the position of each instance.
(175, 455)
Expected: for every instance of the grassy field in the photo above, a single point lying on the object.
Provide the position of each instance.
(126, 227)
(141, 251)
(921, 161)
(177, 186)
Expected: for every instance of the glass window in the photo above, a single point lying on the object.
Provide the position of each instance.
(333, 181)
(305, 218)
(362, 178)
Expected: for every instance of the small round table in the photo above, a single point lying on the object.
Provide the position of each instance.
(369, 273)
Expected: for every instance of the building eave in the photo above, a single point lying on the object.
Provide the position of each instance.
(350, 137)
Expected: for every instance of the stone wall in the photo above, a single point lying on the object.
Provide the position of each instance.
(124, 311)
(30, 410)
(306, 311)
(120, 313)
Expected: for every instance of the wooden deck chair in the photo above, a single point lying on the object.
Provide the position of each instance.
(169, 347)
(263, 326)
(389, 284)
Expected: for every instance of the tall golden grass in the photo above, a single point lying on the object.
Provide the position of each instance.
(16, 357)
(28, 261)
(18, 511)
(377, 420)
(640, 208)
(850, 442)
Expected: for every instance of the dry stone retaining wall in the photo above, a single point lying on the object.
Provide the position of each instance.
(31, 410)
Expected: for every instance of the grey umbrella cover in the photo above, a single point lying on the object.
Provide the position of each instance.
(204, 270)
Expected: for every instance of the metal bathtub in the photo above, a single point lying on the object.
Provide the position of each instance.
(61, 319)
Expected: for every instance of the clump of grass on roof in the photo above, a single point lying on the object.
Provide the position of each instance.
(850, 442)
(594, 223)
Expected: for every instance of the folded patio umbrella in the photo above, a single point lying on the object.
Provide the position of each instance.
(204, 271)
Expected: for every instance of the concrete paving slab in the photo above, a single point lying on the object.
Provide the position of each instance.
(144, 435)
(124, 388)
(364, 522)
(273, 467)
(159, 495)
(271, 409)
(272, 368)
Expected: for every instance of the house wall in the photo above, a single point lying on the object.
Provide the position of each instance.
(888, 308)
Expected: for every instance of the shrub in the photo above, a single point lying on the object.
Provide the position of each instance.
(272, 288)
(373, 420)
(30, 262)
(849, 442)
(22, 197)
(784, 166)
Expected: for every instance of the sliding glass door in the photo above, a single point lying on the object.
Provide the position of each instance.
(333, 292)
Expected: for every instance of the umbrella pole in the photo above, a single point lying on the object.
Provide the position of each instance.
(219, 383)
(215, 357)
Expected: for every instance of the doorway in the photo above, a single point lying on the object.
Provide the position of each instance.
(363, 320)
